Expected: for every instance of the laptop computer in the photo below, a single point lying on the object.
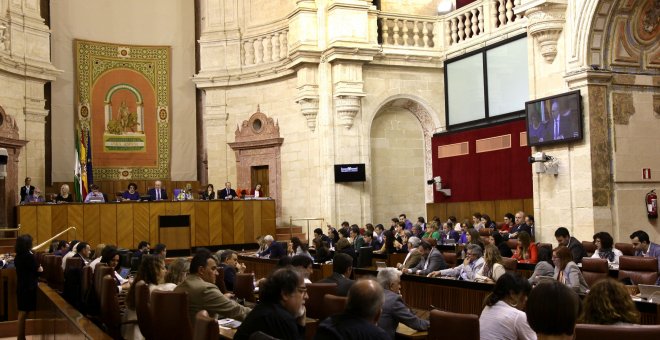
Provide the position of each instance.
(649, 292)
(124, 272)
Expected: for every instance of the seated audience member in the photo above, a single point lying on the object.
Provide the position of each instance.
(399, 232)
(64, 195)
(544, 267)
(305, 265)
(203, 294)
(185, 194)
(344, 246)
(83, 251)
(407, 224)
(497, 239)
(110, 258)
(474, 238)
(605, 248)
(35, 197)
(454, 222)
(413, 257)
(644, 247)
(160, 250)
(378, 234)
(258, 191)
(476, 221)
(359, 319)
(69, 254)
(62, 248)
(370, 241)
(508, 224)
(448, 232)
(131, 194)
(567, 272)
(209, 194)
(354, 234)
(394, 309)
(503, 316)
(229, 265)
(431, 261)
(333, 234)
(432, 231)
(402, 247)
(100, 253)
(281, 311)
(177, 272)
(463, 238)
(421, 222)
(152, 271)
(527, 251)
(552, 310)
(318, 233)
(529, 220)
(487, 222)
(609, 303)
(519, 225)
(492, 269)
(95, 196)
(157, 193)
(143, 248)
(416, 231)
(468, 269)
(342, 266)
(322, 254)
(274, 249)
(388, 243)
(299, 248)
(575, 246)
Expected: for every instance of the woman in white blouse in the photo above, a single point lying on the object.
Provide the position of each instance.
(502, 317)
(605, 248)
(492, 269)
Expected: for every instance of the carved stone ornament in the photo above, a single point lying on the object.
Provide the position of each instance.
(258, 128)
(309, 107)
(546, 20)
(5, 40)
(347, 108)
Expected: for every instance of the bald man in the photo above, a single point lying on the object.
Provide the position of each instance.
(360, 318)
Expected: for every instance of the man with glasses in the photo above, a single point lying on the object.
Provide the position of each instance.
(644, 247)
(519, 225)
(281, 311)
(35, 197)
(394, 310)
(470, 267)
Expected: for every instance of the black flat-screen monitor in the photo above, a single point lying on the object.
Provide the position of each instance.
(554, 119)
(349, 173)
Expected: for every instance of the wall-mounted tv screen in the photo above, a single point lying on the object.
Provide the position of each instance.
(349, 173)
(555, 119)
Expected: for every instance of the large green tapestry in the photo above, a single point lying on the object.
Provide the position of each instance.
(123, 108)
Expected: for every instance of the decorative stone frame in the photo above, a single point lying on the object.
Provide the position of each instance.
(10, 141)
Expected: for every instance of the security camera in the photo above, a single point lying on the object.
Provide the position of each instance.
(539, 157)
(435, 180)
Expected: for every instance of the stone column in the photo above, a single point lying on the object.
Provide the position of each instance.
(215, 137)
(219, 44)
(35, 127)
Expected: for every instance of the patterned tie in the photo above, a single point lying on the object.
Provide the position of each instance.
(157, 194)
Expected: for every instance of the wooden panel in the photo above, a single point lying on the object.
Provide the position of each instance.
(109, 223)
(75, 215)
(215, 222)
(155, 210)
(506, 206)
(125, 225)
(59, 215)
(201, 225)
(463, 210)
(528, 206)
(459, 209)
(239, 219)
(268, 218)
(188, 208)
(175, 238)
(44, 226)
(92, 224)
(172, 208)
(482, 207)
(140, 223)
(252, 217)
(27, 218)
(227, 223)
(436, 210)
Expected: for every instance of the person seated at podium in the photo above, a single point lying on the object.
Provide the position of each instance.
(35, 197)
(157, 193)
(209, 194)
(257, 191)
(95, 196)
(131, 194)
(64, 195)
(227, 193)
(274, 249)
(185, 194)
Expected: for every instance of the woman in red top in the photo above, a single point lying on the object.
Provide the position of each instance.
(526, 251)
(508, 223)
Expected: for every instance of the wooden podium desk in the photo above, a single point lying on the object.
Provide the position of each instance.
(125, 224)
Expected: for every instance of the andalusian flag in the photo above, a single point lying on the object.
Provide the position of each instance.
(77, 173)
(83, 169)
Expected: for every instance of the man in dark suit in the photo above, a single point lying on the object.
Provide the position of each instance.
(562, 124)
(27, 189)
(157, 193)
(394, 310)
(342, 266)
(230, 265)
(227, 193)
(432, 260)
(274, 250)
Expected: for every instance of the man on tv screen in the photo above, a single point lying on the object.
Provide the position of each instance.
(563, 124)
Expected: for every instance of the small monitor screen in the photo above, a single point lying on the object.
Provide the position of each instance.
(349, 173)
(556, 119)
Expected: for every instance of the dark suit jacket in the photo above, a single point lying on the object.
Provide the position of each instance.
(436, 262)
(222, 193)
(152, 194)
(395, 311)
(271, 319)
(207, 196)
(230, 276)
(343, 284)
(348, 327)
(275, 251)
(25, 193)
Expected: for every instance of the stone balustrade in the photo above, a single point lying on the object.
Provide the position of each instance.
(479, 18)
(407, 31)
(265, 48)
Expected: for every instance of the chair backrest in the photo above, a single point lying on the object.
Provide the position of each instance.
(609, 332)
(512, 243)
(110, 313)
(626, 248)
(594, 270)
(220, 280)
(510, 265)
(100, 271)
(544, 245)
(589, 247)
(142, 309)
(365, 257)
(485, 232)
(450, 259)
(244, 287)
(74, 263)
(639, 269)
(332, 304)
(316, 292)
(169, 310)
(86, 281)
(46, 263)
(206, 328)
(447, 325)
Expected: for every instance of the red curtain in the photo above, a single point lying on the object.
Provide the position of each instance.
(492, 175)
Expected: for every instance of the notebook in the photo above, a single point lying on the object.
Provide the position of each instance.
(229, 323)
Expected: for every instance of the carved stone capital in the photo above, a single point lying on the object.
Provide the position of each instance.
(35, 115)
(347, 108)
(309, 107)
(546, 19)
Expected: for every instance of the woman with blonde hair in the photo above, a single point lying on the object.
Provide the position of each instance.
(492, 269)
(64, 195)
(178, 271)
(608, 303)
